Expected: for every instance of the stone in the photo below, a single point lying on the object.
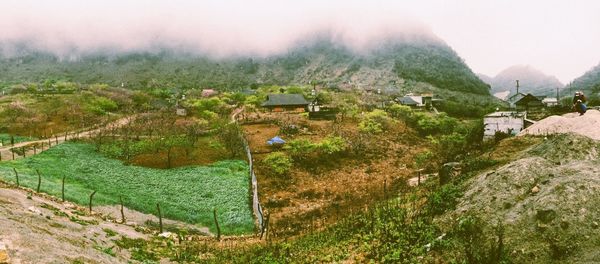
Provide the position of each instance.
(595, 225)
(4, 258)
(535, 189)
(34, 210)
(165, 234)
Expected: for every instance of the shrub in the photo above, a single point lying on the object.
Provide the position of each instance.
(289, 129)
(300, 149)
(374, 122)
(440, 124)
(400, 111)
(294, 90)
(333, 145)
(443, 199)
(278, 162)
(324, 97)
(106, 104)
(422, 158)
(500, 135)
(208, 115)
(231, 136)
(449, 146)
(213, 104)
(428, 125)
(101, 105)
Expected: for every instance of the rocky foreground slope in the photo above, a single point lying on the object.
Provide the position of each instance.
(586, 125)
(547, 200)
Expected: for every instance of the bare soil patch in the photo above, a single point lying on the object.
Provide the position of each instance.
(324, 191)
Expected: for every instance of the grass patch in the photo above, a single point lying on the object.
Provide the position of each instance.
(55, 210)
(188, 193)
(109, 232)
(17, 139)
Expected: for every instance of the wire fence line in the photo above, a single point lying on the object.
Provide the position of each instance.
(256, 207)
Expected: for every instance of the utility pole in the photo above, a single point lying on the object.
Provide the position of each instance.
(517, 86)
(571, 87)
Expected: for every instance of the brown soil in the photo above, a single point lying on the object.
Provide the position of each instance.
(323, 191)
(39, 230)
(201, 155)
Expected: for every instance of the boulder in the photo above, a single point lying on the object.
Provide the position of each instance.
(4, 259)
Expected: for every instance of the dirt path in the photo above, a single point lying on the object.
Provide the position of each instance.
(235, 113)
(6, 154)
(35, 229)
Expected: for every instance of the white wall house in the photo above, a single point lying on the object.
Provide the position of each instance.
(508, 122)
(549, 102)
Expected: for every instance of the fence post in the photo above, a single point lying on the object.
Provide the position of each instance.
(17, 175)
(39, 180)
(122, 214)
(23, 150)
(217, 224)
(63, 189)
(91, 197)
(34, 150)
(56, 138)
(385, 189)
(265, 229)
(160, 226)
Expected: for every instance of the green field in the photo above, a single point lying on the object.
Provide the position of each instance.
(187, 193)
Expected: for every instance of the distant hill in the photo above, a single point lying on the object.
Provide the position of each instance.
(485, 78)
(391, 63)
(589, 82)
(530, 79)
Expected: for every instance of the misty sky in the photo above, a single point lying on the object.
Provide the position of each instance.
(561, 38)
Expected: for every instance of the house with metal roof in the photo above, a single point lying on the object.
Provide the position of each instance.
(530, 102)
(416, 100)
(514, 98)
(286, 102)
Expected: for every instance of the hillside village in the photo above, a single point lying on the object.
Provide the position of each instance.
(304, 143)
(170, 136)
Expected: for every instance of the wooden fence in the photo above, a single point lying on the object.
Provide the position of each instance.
(256, 207)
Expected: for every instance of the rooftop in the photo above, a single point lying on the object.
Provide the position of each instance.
(504, 114)
(285, 99)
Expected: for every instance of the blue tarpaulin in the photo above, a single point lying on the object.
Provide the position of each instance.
(276, 140)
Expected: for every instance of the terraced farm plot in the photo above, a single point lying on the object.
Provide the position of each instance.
(187, 193)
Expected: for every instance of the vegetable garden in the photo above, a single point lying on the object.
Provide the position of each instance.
(187, 193)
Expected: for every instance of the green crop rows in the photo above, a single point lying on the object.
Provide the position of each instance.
(188, 193)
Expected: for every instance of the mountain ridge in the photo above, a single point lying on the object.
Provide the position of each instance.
(531, 80)
(589, 81)
(389, 62)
